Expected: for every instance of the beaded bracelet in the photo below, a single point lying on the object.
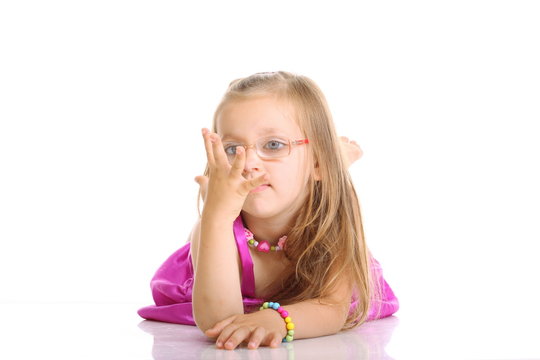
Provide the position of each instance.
(285, 315)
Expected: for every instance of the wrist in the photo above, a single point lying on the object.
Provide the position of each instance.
(215, 214)
(287, 325)
(277, 322)
(215, 221)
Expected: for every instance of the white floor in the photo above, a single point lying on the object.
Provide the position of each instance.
(114, 331)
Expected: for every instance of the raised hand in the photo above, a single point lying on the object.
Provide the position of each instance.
(226, 188)
(351, 150)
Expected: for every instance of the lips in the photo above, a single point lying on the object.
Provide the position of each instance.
(260, 188)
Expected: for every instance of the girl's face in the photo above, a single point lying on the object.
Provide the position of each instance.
(246, 121)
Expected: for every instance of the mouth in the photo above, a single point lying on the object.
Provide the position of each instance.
(260, 188)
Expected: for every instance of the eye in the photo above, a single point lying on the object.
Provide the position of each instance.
(274, 145)
(230, 149)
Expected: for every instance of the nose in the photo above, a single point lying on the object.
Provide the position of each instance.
(253, 161)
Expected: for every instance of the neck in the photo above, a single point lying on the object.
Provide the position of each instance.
(269, 229)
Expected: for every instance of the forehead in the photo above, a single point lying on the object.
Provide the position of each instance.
(256, 117)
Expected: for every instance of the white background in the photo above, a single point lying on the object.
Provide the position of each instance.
(102, 102)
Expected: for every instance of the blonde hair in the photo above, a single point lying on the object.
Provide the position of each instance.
(326, 242)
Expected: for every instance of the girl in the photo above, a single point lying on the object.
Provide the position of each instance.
(281, 223)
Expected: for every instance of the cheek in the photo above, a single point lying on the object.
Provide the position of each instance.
(290, 179)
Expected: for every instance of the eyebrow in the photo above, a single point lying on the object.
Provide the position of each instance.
(263, 131)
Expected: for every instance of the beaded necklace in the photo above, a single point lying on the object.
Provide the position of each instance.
(264, 246)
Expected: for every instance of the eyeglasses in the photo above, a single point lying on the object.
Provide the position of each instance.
(269, 147)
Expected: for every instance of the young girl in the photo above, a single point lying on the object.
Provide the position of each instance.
(279, 251)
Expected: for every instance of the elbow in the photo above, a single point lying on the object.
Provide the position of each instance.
(339, 325)
(203, 319)
(341, 318)
(201, 324)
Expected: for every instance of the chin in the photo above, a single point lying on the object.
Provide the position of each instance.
(256, 213)
(258, 209)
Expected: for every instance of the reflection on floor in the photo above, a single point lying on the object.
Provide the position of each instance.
(115, 331)
(178, 342)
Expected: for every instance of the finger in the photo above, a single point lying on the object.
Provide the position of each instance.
(239, 161)
(208, 147)
(253, 183)
(239, 335)
(219, 326)
(201, 180)
(219, 153)
(203, 183)
(224, 335)
(275, 340)
(256, 337)
(344, 138)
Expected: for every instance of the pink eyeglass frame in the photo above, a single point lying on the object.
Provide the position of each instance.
(292, 142)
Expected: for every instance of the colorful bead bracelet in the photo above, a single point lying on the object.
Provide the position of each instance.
(285, 315)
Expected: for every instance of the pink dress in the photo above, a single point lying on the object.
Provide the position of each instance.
(172, 286)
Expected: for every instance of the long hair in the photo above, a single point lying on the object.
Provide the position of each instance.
(326, 242)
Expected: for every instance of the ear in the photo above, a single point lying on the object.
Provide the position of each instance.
(316, 172)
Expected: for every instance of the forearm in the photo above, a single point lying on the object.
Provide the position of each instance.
(216, 290)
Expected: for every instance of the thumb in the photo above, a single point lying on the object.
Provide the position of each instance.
(203, 183)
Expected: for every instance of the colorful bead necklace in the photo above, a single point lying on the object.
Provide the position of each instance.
(264, 246)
